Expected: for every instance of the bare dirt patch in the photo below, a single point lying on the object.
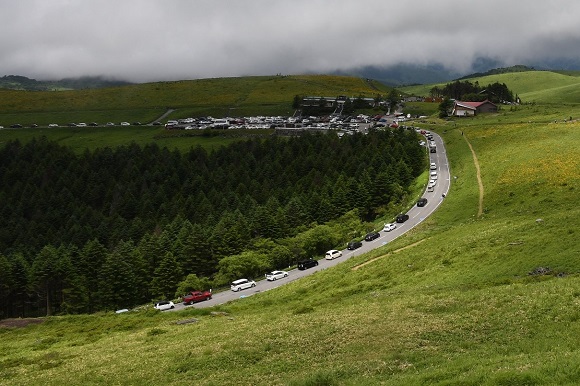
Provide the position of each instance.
(19, 322)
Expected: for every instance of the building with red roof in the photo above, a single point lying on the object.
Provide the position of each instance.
(469, 109)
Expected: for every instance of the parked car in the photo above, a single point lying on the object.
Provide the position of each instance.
(422, 201)
(110, 124)
(241, 284)
(275, 275)
(433, 175)
(401, 218)
(433, 166)
(354, 245)
(164, 305)
(196, 296)
(305, 264)
(125, 124)
(333, 254)
(52, 125)
(16, 126)
(371, 236)
(389, 227)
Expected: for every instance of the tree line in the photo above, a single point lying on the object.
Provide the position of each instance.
(468, 91)
(115, 228)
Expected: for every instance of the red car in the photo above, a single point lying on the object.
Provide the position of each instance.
(196, 296)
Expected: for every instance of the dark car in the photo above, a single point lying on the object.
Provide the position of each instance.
(371, 236)
(16, 126)
(354, 245)
(305, 264)
(402, 218)
(422, 201)
(136, 123)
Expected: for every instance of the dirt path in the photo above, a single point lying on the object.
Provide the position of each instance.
(390, 253)
(169, 111)
(479, 182)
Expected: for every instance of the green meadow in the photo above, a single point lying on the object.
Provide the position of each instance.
(462, 299)
(218, 97)
(531, 86)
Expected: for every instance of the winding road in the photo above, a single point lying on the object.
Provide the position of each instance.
(416, 216)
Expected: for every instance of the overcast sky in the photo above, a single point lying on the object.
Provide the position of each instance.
(153, 40)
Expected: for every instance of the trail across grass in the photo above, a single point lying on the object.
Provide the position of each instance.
(479, 182)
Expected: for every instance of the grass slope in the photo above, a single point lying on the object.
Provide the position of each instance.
(544, 87)
(264, 95)
(451, 302)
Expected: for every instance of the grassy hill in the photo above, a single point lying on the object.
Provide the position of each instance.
(544, 87)
(490, 299)
(263, 95)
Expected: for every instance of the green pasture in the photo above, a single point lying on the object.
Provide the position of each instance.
(541, 87)
(461, 299)
(91, 138)
(218, 97)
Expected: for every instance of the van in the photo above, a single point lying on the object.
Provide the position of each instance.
(354, 245)
(333, 254)
(305, 264)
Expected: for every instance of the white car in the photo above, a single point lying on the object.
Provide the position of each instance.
(433, 166)
(52, 125)
(433, 175)
(125, 124)
(389, 227)
(275, 275)
(164, 305)
(333, 254)
(241, 284)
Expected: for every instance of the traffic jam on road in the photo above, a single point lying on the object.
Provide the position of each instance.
(432, 197)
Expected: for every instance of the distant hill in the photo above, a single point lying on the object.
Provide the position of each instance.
(16, 82)
(495, 71)
(531, 86)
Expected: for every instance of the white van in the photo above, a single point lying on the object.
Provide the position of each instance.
(242, 284)
(333, 254)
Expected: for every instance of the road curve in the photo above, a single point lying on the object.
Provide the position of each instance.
(416, 216)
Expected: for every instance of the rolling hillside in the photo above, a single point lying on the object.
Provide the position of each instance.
(463, 299)
(268, 95)
(544, 87)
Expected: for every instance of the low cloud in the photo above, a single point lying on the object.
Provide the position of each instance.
(149, 40)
